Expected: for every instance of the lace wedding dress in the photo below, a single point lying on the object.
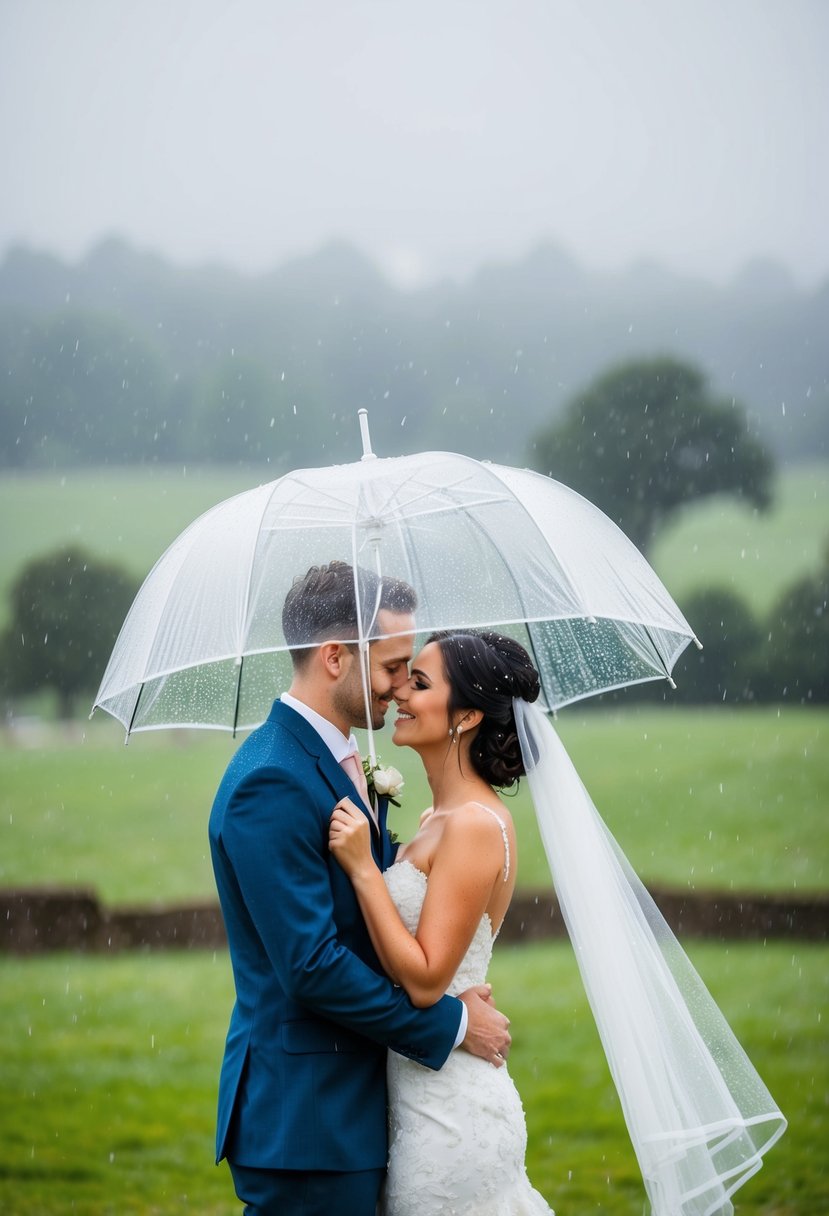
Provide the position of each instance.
(457, 1137)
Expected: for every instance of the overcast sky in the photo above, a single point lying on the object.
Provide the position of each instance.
(435, 134)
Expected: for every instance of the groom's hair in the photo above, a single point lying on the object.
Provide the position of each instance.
(322, 605)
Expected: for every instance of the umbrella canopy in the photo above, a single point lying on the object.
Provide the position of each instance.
(482, 545)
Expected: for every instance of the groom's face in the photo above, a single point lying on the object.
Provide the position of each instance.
(389, 659)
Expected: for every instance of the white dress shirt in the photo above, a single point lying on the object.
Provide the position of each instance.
(334, 739)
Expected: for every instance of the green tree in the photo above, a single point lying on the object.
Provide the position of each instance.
(796, 666)
(722, 671)
(647, 437)
(66, 610)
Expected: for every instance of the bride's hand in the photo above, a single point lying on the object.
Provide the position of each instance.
(348, 837)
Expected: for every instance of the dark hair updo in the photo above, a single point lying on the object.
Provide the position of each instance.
(486, 670)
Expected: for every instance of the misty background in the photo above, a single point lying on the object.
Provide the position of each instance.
(435, 137)
(227, 226)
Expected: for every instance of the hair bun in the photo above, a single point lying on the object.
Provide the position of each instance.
(487, 671)
(523, 677)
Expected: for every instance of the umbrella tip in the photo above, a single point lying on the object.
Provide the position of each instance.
(364, 435)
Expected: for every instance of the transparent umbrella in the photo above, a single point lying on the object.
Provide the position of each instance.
(482, 545)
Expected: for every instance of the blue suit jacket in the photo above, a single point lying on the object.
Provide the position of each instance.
(303, 1082)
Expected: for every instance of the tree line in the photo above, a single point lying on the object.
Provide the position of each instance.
(124, 358)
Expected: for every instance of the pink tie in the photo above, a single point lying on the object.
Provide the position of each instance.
(354, 767)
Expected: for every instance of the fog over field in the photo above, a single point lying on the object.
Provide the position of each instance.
(434, 136)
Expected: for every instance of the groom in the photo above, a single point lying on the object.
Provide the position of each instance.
(302, 1093)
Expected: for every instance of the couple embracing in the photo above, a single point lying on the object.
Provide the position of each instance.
(364, 1062)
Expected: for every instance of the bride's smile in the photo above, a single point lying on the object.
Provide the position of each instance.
(423, 703)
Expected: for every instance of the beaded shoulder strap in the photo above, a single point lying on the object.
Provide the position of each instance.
(503, 828)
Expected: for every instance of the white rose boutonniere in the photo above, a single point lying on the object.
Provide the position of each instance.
(384, 781)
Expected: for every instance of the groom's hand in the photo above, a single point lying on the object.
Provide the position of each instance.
(487, 1031)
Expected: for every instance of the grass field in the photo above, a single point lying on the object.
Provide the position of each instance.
(132, 515)
(725, 544)
(109, 1073)
(109, 1065)
(717, 799)
(126, 515)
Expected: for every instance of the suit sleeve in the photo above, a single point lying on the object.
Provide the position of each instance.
(278, 847)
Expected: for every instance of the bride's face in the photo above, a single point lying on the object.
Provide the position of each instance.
(423, 702)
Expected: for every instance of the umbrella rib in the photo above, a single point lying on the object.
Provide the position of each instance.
(401, 514)
(294, 479)
(249, 583)
(168, 593)
(520, 596)
(238, 692)
(135, 710)
(395, 492)
(574, 582)
(658, 652)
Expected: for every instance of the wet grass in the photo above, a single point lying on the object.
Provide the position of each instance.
(580, 1156)
(724, 543)
(708, 800)
(109, 1073)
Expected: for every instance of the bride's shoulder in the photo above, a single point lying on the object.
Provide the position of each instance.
(478, 821)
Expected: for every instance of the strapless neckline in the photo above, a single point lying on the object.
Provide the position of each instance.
(404, 861)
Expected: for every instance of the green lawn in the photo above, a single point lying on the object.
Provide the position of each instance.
(722, 543)
(708, 799)
(109, 1071)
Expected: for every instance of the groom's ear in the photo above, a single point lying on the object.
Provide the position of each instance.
(335, 658)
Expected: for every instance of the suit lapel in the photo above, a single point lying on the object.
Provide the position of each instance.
(333, 774)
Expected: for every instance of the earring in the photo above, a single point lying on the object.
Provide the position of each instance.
(458, 736)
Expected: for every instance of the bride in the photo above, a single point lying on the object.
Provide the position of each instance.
(699, 1116)
(457, 1137)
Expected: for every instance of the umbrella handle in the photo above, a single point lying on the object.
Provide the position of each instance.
(365, 672)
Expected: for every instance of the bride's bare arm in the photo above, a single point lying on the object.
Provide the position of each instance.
(467, 863)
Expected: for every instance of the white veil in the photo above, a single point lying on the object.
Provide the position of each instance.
(698, 1114)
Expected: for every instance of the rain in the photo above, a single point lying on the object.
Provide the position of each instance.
(584, 242)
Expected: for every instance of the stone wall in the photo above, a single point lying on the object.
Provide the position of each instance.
(37, 920)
